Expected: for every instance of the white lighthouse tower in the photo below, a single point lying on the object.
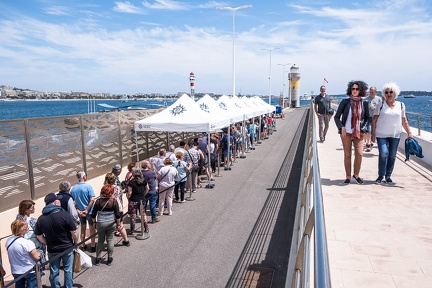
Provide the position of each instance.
(294, 86)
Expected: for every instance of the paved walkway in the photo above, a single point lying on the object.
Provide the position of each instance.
(235, 235)
(378, 235)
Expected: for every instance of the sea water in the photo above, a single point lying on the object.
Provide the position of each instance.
(20, 109)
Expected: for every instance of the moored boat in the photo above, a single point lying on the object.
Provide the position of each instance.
(409, 96)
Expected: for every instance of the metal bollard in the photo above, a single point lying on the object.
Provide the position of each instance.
(143, 235)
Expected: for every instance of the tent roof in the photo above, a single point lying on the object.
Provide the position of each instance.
(184, 115)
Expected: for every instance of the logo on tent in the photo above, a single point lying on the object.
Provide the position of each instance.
(223, 106)
(178, 110)
(204, 107)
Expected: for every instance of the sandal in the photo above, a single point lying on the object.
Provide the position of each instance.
(117, 233)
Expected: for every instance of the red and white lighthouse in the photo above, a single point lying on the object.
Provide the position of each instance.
(192, 85)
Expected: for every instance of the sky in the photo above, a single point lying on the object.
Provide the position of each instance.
(151, 46)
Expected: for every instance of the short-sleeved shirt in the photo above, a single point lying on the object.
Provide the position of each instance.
(150, 177)
(158, 163)
(323, 104)
(389, 123)
(168, 176)
(18, 253)
(138, 190)
(180, 166)
(373, 103)
(82, 193)
(192, 156)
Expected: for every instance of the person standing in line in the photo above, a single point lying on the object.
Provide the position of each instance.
(182, 169)
(107, 211)
(166, 177)
(67, 202)
(157, 162)
(322, 107)
(192, 156)
(137, 189)
(25, 209)
(227, 151)
(181, 148)
(84, 197)
(388, 120)
(118, 193)
(353, 111)
(110, 179)
(22, 254)
(171, 154)
(152, 195)
(373, 101)
(56, 229)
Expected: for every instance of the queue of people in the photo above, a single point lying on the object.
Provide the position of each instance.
(363, 121)
(156, 182)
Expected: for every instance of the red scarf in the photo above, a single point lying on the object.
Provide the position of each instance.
(355, 116)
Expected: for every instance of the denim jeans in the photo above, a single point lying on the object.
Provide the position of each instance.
(152, 197)
(27, 282)
(387, 148)
(67, 268)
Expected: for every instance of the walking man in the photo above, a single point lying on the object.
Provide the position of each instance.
(373, 103)
(56, 229)
(321, 107)
(84, 197)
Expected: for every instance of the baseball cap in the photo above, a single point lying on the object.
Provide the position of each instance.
(50, 198)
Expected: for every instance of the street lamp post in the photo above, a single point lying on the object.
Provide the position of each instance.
(233, 10)
(283, 84)
(269, 77)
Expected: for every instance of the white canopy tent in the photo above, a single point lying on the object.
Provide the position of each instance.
(184, 115)
(267, 107)
(227, 104)
(209, 105)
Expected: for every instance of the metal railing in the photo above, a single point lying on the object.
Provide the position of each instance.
(420, 121)
(36, 154)
(309, 222)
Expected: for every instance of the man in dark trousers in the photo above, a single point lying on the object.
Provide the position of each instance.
(321, 107)
(57, 229)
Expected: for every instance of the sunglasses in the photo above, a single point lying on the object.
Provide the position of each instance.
(355, 89)
(388, 92)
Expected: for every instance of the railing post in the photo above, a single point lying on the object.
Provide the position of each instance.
(418, 126)
(29, 160)
(83, 148)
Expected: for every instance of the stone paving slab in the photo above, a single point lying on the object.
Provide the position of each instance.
(378, 235)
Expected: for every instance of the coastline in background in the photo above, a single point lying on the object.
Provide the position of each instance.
(21, 109)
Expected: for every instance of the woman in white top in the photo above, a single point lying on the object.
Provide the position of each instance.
(166, 177)
(387, 123)
(22, 254)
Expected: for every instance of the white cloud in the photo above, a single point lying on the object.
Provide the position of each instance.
(57, 10)
(166, 5)
(127, 7)
(90, 55)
